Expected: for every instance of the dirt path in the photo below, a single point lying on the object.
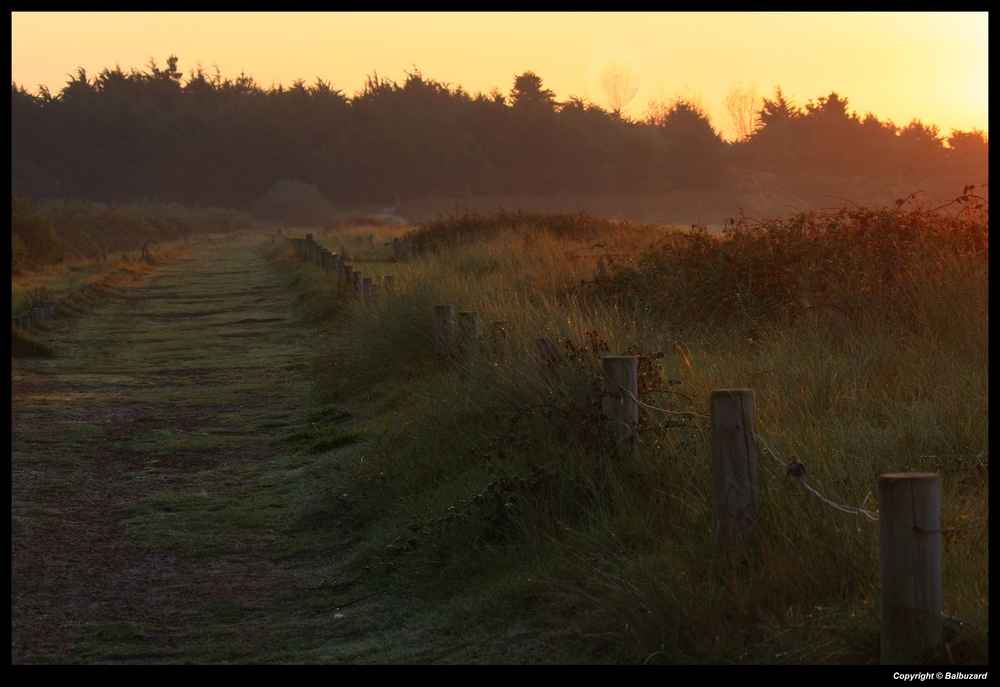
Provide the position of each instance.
(171, 387)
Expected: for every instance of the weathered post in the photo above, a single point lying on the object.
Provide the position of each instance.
(734, 469)
(468, 326)
(366, 289)
(307, 248)
(910, 564)
(444, 329)
(620, 381)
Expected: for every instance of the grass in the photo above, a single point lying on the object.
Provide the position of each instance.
(414, 513)
(121, 641)
(53, 282)
(171, 432)
(862, 331)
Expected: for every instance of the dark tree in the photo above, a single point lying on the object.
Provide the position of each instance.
(694, 148)
(528, 93)
(777, 111)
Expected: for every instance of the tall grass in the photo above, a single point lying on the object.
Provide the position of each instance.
(863, 331)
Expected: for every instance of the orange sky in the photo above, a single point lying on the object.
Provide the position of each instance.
(899, 66)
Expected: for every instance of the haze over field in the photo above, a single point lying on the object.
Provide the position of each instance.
(898, 66)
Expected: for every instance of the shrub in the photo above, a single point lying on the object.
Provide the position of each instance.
(294, 203)
(35, 231)
(18, 254)
(860, 263)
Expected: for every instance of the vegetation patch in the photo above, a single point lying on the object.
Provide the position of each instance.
(122, 641)
(830, 319)
(345, 489)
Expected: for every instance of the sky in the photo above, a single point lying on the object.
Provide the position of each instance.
(897, 66)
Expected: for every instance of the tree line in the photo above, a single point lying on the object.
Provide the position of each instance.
(204, 140)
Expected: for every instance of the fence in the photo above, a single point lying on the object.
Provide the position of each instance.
(910, 532)
(909, 520)
(335, 263)
(34, 317)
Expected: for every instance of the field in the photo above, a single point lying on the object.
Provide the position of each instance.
(384, 502)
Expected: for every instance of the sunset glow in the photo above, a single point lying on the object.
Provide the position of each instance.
(900, 67)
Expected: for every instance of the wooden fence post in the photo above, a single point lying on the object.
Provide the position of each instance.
(621, 382)
(468, 327)
(444, 329)
(910, 564)
(734, 468)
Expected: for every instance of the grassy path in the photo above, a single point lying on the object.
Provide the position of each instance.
(144, 475)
